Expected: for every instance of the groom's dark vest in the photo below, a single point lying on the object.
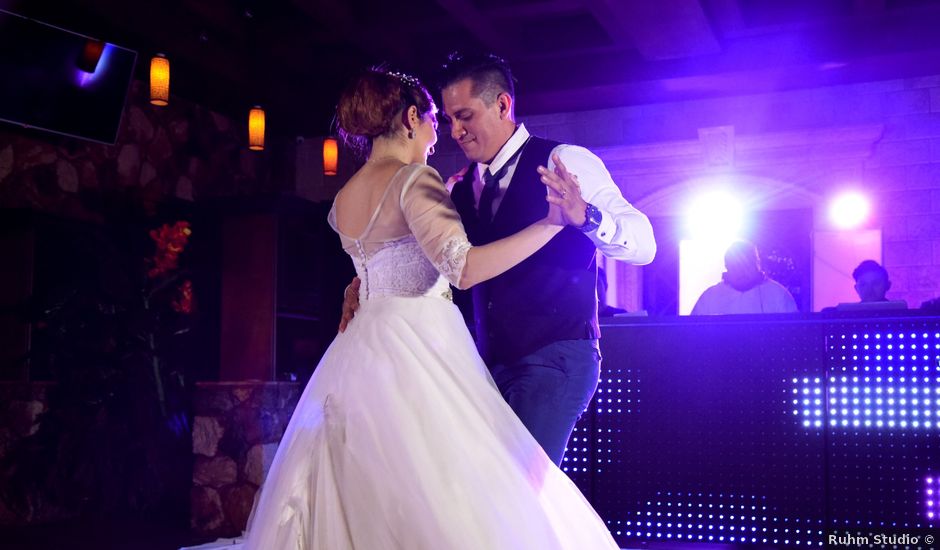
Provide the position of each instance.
(548, 297)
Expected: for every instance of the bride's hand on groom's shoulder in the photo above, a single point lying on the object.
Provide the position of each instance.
(350, 303)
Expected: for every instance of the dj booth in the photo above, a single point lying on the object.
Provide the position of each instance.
(765, 431)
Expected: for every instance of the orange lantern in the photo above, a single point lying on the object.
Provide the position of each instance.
(160, 80)
(330, 156)
(256, 129)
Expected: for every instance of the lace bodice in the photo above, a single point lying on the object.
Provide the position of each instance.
(415, 246)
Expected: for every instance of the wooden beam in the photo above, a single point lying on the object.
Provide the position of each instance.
(476, 22)
(378, 43)
(869, 8)
(727, 16)
(665, 29)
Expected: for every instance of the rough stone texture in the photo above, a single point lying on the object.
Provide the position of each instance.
(207, 431)
(128, 165)
(67, 176)
(254, 415)
(242, 394)
(7, 440)
(178, 152)
(148, 174)
(258, 462)
(184, 189)
(206, 514)
(6, 162)
(214, 472)
(37, 155)
(237, 501)
(140, 129)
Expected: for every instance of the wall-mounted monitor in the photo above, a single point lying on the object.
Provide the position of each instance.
(61, 81)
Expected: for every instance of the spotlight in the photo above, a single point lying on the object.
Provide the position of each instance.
(715, 216)
(849, 210)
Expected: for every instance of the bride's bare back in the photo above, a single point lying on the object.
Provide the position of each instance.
(361, 198)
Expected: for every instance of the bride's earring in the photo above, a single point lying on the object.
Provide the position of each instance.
(411, 133)
(431, 151)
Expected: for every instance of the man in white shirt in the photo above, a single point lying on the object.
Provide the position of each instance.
(744, 287)
(536, 325)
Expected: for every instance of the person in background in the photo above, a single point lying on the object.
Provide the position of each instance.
(744, 288)
(871, 282)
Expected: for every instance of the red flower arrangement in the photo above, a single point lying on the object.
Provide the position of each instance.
(170, 241)
(184, 301)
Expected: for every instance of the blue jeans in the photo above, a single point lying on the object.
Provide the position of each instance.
(549, 389)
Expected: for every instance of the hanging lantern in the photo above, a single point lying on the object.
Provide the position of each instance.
(256, 129)
(330, 156)
(159, 80)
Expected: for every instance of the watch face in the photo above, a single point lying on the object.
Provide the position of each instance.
(592, 218)
(594, 213)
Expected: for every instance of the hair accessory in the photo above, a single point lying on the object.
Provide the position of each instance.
(406, 79)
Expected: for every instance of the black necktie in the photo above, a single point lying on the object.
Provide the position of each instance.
(491, 188)
(490, 191)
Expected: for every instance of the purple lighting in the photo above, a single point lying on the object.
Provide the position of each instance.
(717, 215)
(849, 210)
(85, 79)
(716, 518)
(889, 382)
(931, 508)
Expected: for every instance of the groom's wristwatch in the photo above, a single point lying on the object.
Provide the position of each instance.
(592, 219)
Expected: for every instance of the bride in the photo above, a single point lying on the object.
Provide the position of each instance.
(401, 439)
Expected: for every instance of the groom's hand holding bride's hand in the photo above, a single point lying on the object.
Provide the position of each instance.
(350, 303)
(566, 206)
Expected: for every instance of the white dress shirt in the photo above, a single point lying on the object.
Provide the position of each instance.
(624, 233)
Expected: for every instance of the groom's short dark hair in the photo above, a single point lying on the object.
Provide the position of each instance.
(489, 73)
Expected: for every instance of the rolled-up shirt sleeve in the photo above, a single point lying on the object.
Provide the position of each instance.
(624, 233)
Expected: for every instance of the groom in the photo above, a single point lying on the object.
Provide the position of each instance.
(536, 324)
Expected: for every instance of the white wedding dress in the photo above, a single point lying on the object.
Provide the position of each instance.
(401, 439)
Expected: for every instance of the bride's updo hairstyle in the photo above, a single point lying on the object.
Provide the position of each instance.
(371, 106)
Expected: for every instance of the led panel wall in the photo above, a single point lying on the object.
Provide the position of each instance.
(756, 430)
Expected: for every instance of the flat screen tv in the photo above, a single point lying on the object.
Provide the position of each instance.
(62, 81)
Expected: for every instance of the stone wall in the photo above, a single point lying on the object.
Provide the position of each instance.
(182, 151)
(236, 430)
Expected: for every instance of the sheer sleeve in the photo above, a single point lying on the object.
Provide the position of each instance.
(434, 221)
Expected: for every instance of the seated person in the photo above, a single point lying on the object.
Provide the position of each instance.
(603, 309)
(744, 287)
(871, 282)
(871, 285)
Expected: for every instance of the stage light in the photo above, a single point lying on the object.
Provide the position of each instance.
(849, 210)
(717, 217)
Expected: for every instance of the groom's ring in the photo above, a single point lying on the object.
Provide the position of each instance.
(564, 193)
